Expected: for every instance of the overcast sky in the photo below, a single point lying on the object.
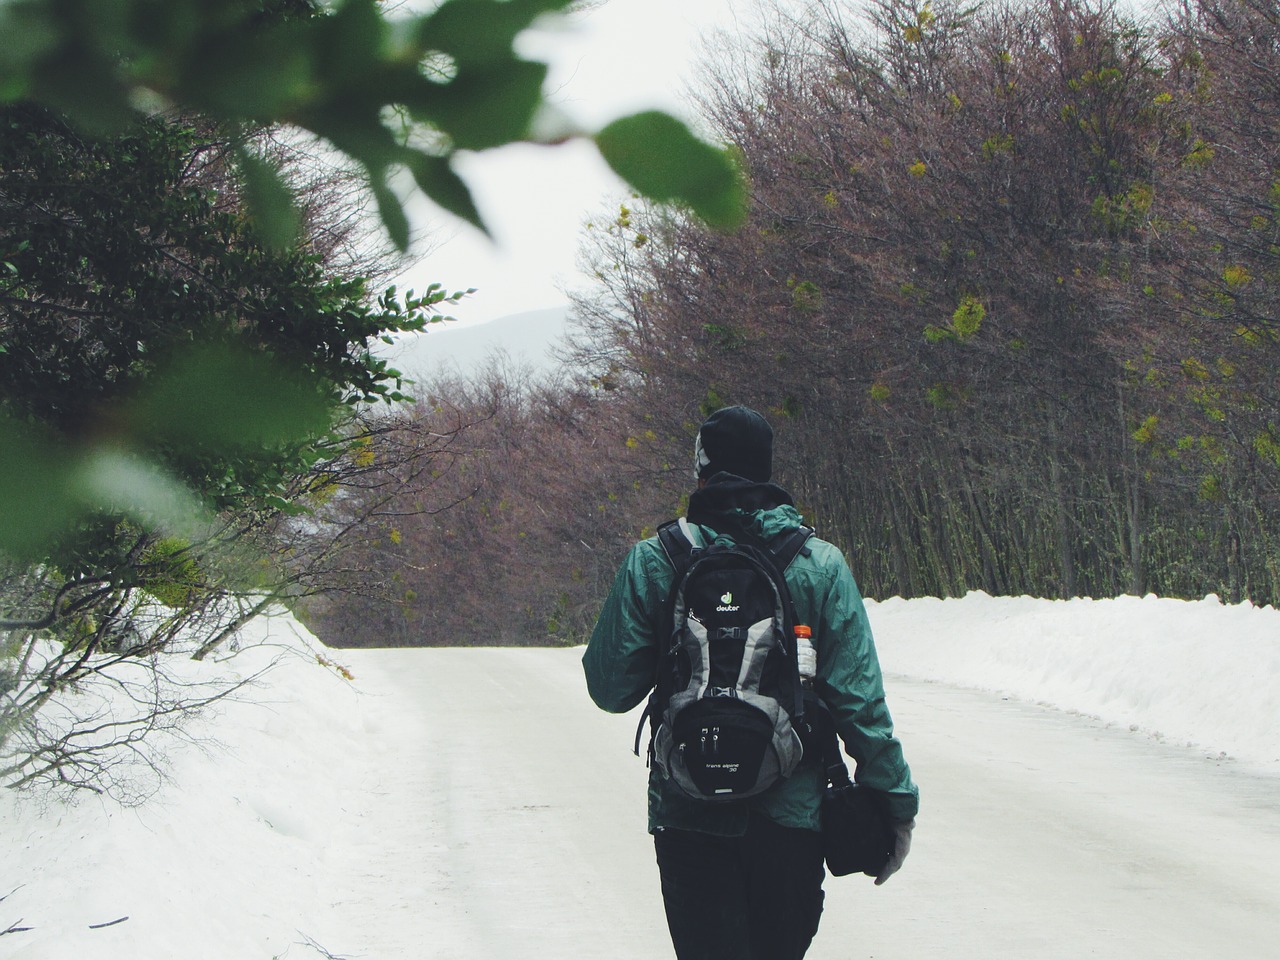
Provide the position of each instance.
(621, 57)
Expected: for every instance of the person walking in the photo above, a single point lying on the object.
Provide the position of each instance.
(742, 880)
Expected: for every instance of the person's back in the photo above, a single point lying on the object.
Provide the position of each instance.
(743, 879)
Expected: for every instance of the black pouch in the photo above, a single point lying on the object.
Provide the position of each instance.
(856, 835)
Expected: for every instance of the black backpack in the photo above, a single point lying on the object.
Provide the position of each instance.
(727, 709)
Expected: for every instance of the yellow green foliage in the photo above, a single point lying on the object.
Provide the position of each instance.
(995, 145)
(968, 317)
(712, 402)
(943, 396)
(335, 667)
(1267, 445)
(1147, 431)
(806, 296)
(170, 573)
(1127, 211)
(322, 491)
(1199, 157)
(362, 453)
(914, 32)
(1193, 369)
(1236, 276)
(730, 338)
(965, 322)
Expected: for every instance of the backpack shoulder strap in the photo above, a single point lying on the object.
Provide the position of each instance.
(793, 545)
(677, 541)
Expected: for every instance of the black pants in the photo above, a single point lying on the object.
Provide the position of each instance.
(754, 897)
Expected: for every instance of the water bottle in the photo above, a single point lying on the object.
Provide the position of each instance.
(806, 656)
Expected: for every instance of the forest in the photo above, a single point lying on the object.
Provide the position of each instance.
(1007, 291)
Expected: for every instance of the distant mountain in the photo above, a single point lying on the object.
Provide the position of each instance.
(526, 339)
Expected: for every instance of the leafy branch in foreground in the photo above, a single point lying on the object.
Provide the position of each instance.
(155, 359)
(403, 94)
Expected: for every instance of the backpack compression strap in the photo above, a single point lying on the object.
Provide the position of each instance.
(783, 555)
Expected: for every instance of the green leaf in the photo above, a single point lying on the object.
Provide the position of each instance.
(488, 106)
(661, 158)
(25, 37)
(227, 398)
(48, 487)
(452, 29)
(350, 40)
(38, 502)
(270, 202)
(87, 91)
(258, 75)
(435, 178)
(390, 210)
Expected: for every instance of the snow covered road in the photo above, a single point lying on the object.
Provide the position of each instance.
(518, 815)
(1048, 836)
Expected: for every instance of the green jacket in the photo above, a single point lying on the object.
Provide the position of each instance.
(621, 662)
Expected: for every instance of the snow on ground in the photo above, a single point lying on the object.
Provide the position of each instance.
(260, 833)
(1198, 673)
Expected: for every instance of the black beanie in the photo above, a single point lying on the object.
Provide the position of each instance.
(735, 440)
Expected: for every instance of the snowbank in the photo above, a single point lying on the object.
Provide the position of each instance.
(239, 829)
(1197, 673)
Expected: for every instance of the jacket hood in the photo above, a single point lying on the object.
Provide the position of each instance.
(743, 510)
